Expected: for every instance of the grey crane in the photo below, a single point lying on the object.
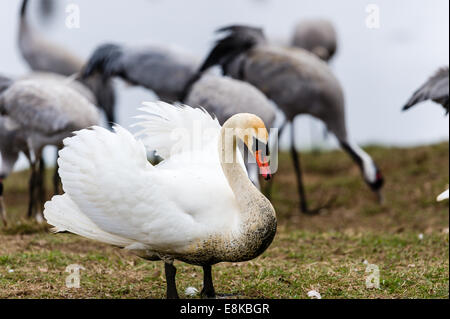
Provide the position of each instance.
(225, 97)
(77, 86)
(299, 83)
(43, 55)
(317, 36)
(34, 114)
(436, 88)
(70, 81)
(164, 70)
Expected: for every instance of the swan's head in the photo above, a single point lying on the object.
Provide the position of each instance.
(250, 129)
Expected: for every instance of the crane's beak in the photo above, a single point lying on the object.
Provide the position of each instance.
(380, 197)
(263, 165)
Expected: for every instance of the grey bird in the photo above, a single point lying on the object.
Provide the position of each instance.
(299, 83)
(77, 86)
(436, 88)
(70, 81)
(45, 56)
(224, 97)
(317, 36)
(34, 114)
(164, 70)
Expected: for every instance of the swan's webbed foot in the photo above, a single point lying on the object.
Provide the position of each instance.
(171, 271)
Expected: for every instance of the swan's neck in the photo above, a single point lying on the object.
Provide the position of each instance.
(257, 215)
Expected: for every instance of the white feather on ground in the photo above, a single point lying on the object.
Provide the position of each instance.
(443, 196)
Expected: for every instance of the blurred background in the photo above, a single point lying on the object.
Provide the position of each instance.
(378, 68)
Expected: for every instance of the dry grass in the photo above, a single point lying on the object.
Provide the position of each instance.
(324, 252)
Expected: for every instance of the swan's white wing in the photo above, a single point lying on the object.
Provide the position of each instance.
(62, 213)
(108, 177)
(173, 129)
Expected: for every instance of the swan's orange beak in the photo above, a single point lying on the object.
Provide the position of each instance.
(263, 165)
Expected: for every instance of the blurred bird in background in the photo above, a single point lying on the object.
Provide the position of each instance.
(299, 83)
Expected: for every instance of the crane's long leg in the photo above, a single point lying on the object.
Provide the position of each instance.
(208, 287)
(2, 205)
(110, 117)
(41, 189)
(171, 271)
(299, 175)
(56, 179)
(298, 172)
(31, 189)
(3, 212)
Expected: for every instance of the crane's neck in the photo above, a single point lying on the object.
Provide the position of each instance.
(23, 9)
(363, 159)
(257, 215)
(24, 27)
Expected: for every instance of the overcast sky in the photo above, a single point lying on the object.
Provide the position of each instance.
(378, 68)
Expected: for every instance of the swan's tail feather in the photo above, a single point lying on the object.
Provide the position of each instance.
(62, 213)
(443, 196)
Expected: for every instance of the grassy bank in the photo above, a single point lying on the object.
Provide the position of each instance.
(406, 238)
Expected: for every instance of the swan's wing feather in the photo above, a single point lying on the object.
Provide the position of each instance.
(62, 213)
(172, 129)
(107, 175)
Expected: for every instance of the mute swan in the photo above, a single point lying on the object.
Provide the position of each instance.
(197, 206)
(35, 113)
(299, 83)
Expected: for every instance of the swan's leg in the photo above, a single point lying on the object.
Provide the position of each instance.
(171, 271)
(208, 287)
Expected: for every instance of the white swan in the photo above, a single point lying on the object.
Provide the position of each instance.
(200, 212)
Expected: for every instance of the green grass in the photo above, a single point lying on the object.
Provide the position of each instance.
(328, 253)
